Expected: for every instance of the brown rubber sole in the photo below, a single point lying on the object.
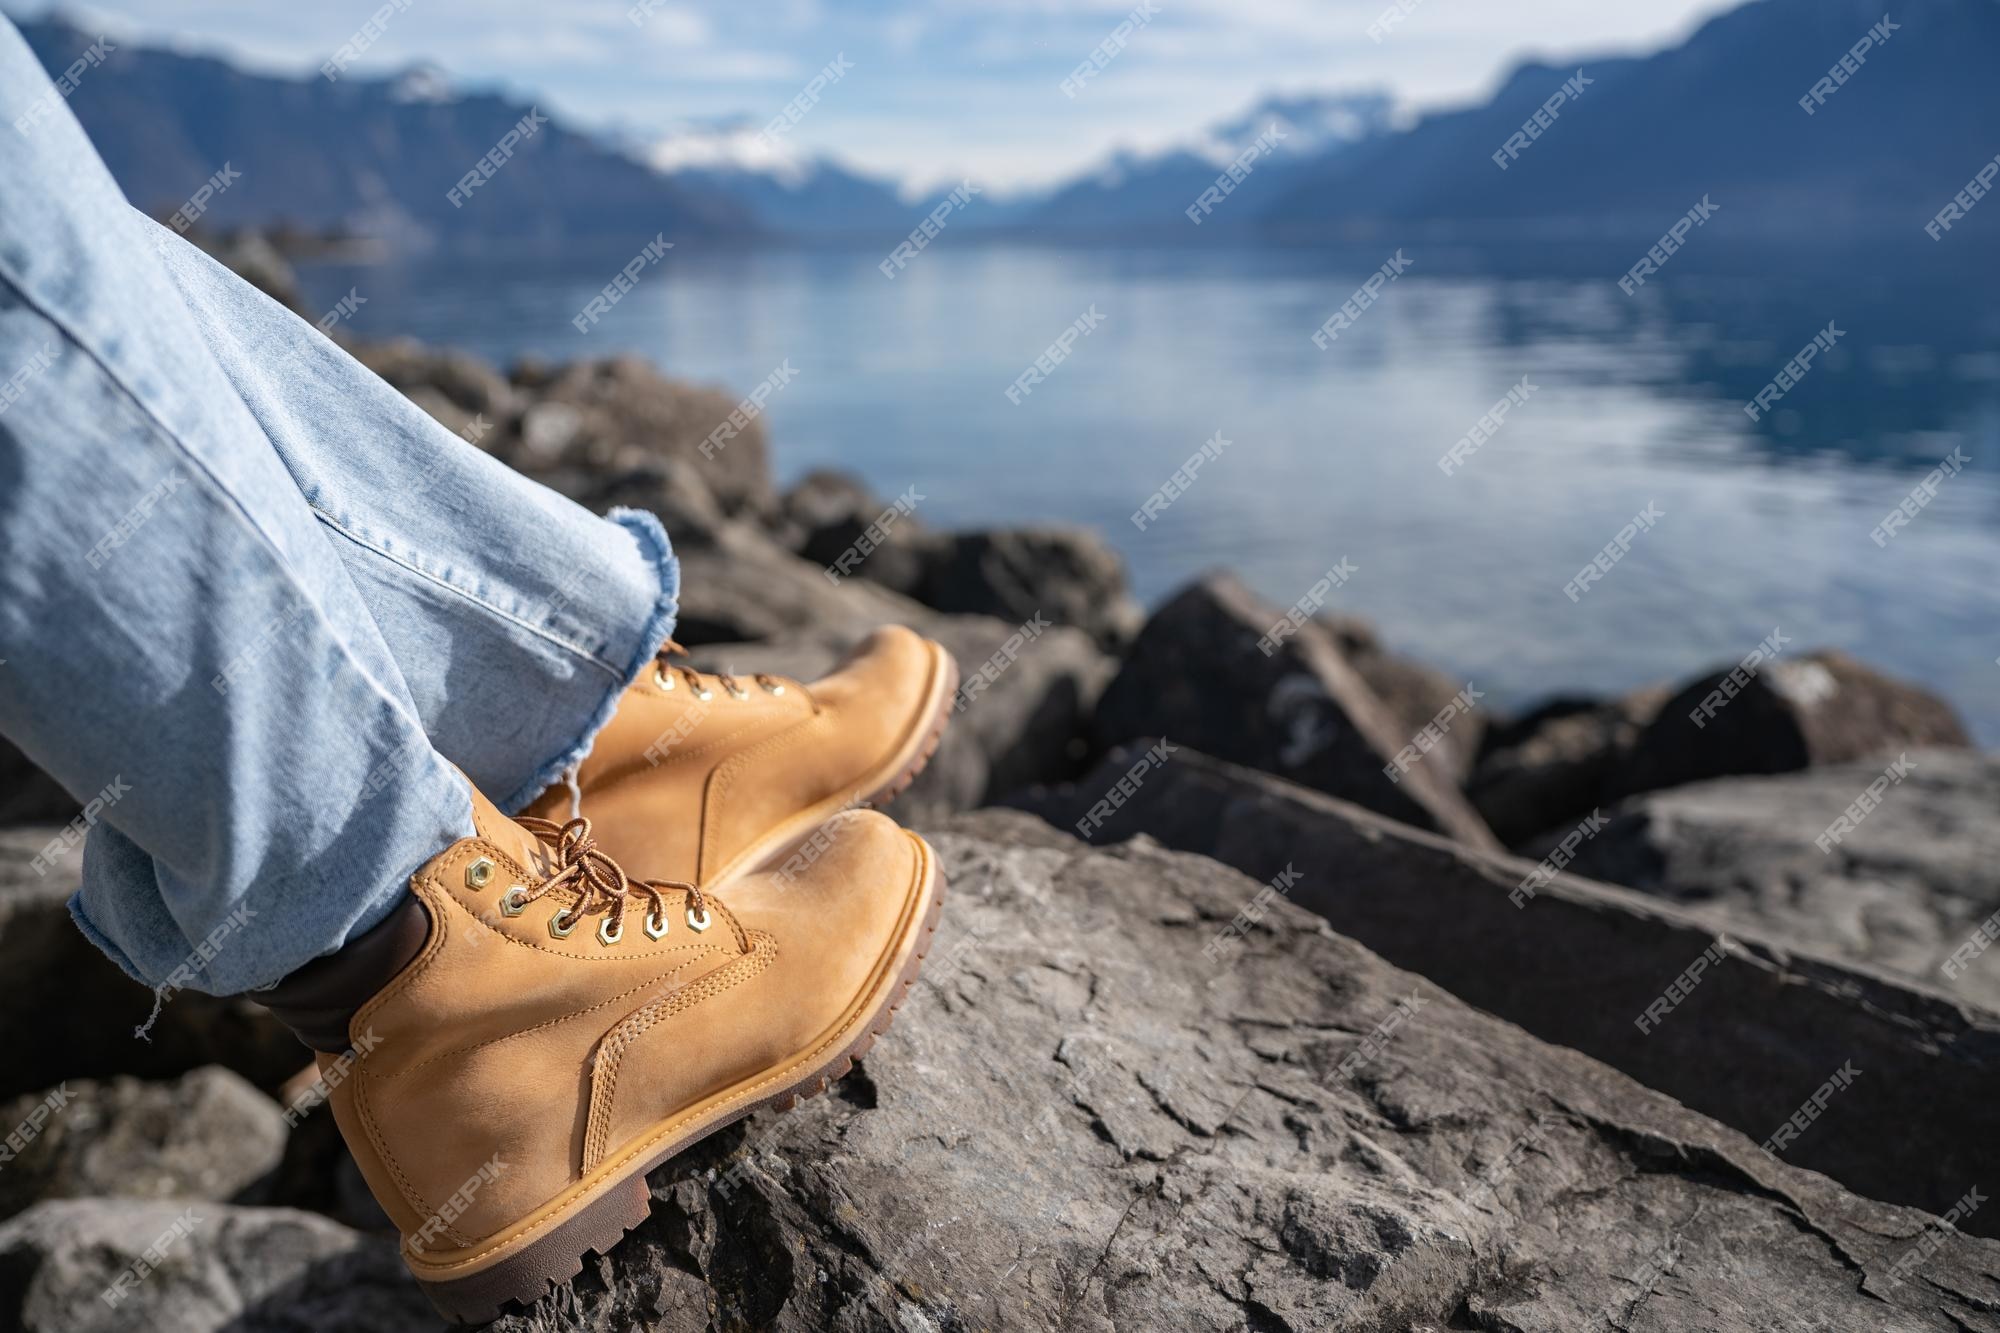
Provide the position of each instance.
(596, 1227)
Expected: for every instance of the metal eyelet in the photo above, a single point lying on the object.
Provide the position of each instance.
(607, 934)
(704, 695)
(514, 901)
(561, 932)
(772, 688)
(698, 924)
(659, 932)
(663, 678)
(735, 693)
(479, 874)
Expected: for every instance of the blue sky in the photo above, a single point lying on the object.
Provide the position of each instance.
(938, 88)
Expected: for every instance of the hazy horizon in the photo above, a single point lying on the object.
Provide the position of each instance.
(935, 91)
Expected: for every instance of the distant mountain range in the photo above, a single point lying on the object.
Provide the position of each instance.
(1718, 115)
(1136, 191)
(377, 157)
(1637, 142)
(785, 189)
(790, 191)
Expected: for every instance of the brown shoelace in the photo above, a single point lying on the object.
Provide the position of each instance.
(671, 650)
(597, 880)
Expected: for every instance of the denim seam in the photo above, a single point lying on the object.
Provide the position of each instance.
(412, 557)
(658, 551)
(234, 503)
(117, 379)
(499, 613)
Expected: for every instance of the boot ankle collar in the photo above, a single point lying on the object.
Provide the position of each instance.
(318, 1001)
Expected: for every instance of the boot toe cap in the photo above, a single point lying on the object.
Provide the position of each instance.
(858, 901)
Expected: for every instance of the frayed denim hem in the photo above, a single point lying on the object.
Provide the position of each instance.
(101, 940)
(659, 552)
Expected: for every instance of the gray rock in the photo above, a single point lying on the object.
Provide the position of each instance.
(819, 500)
(618, 414)
(1024, 727)
(1356, 637)
(1111, 1128)
(1551, 768)
(67, 1012)
(742, 585)
(601, 432)
(1414, 691)
(83, 1266)
(548, 430)
(672, 489)
(207, 1135)
(1415, 694)
(319, 1175)
(1756, 1033)
(1026, 702)
(1905, 890)
(1067, 575)
(1819, 708)
(470, 385)
(897, 554)
(28, 795)
(1198, 676)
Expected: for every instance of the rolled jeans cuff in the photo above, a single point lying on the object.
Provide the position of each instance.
(649, 632)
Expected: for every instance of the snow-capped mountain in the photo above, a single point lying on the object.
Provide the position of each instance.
(422, 83)
(1661, 131)
(786, 188)
(366, 153)
(1314, 124)
(790, 190)
(730, 143)
(1154, 189)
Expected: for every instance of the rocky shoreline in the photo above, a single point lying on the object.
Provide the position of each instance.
(1237, 1084)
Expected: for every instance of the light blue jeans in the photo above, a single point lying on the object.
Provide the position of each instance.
(257, 611)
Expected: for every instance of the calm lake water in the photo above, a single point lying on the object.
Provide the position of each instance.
(1334, 453)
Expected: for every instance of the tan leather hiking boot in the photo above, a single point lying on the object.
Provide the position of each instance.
(529, 1034)
(698, 776)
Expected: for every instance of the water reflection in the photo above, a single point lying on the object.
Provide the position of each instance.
(1335, 452)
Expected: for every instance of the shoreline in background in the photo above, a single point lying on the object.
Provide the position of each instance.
(1335, 454)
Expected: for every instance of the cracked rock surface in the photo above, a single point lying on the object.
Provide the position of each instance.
(1092, 1115)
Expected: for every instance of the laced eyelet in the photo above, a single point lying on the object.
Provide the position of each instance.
(772, 686)
(736, 693)
(657, 930)
(700, 923)
(663, 678)
(704, 694)
(607, 934)
(514, 901)
(561, 932)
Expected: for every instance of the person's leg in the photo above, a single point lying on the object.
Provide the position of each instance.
(521, 603)
(558, 604)
(501, 599)
(219, 657)
(183, 649)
